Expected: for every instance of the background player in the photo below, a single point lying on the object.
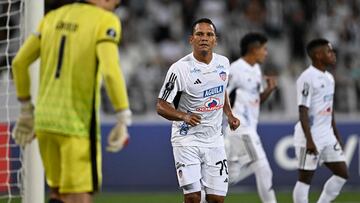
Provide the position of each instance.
(316, 136)
(246, 155)
(195, 85)
(77, 45)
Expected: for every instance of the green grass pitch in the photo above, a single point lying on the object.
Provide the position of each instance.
(247, 197)
(243, 197)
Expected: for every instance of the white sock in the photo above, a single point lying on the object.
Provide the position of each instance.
(203, 196)
(264, 184)
(331, 189)
(301, 192)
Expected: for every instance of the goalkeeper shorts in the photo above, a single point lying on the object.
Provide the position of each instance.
(68, 163)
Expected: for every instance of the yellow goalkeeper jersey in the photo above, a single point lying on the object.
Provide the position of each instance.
(77, 46)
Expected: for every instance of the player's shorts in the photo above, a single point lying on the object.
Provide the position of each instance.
(207, 165)
(244, 146)
(68, 163)
(245, 154)
(326, 154)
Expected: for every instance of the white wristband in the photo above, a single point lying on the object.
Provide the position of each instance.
(124, 116)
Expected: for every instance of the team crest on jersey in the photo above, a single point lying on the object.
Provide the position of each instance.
(111, 33)
(184, 128)
(213, 91)
(211, 104)
(223, 75)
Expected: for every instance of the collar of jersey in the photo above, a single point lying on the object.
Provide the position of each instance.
(202, 64)
(248, 66)
(318, 71)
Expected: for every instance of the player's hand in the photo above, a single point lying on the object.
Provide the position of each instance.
(192, 119)
(311, 148)
(271, 82)
(234, 122)
(119, 136)
(23, 132)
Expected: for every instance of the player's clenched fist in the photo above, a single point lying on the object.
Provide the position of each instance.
(192, 119)
(23, 132)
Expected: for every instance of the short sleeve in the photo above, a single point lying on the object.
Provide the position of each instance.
(109, 29)
(173, 84)
(304, 91)
(232, 80)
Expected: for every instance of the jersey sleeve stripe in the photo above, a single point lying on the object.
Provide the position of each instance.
(166, 91)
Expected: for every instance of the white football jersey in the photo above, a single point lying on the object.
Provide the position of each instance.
(315, 90)
(245, 84)
(199, 88)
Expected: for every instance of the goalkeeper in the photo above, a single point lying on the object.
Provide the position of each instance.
(77, 47)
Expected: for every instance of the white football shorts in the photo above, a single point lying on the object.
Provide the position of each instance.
(207, 165)
(326, 154)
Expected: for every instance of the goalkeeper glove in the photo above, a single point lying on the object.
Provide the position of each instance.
(119, 136)
(23, 132)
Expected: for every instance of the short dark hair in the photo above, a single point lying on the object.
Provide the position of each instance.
(202, 20)
(251, 39)
(315, 43)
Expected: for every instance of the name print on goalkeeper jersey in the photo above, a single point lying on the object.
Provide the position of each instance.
(199, 88)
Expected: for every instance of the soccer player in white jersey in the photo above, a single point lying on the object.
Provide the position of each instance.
(316, 137)
(194, 97)
(245, 153)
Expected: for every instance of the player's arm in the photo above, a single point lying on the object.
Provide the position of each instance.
(336, 132)
(27, 54)
(173, 84)
(23, 131)
(232, 120)
(271, 82)
(304, 94)
(167, 111)
(305, 124)
(108, 37)
(114, 81)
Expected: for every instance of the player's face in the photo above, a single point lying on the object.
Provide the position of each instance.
(261, 53)
(204, 38)
(329, 56)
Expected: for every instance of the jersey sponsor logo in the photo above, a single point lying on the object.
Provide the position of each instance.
(211, 104)
(305, 91)
(223, 75)
(195, 70)
(213, 91)
(220, 67)
(111, 33)
(326, 112)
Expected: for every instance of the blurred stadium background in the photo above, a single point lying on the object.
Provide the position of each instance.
(155, 34)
